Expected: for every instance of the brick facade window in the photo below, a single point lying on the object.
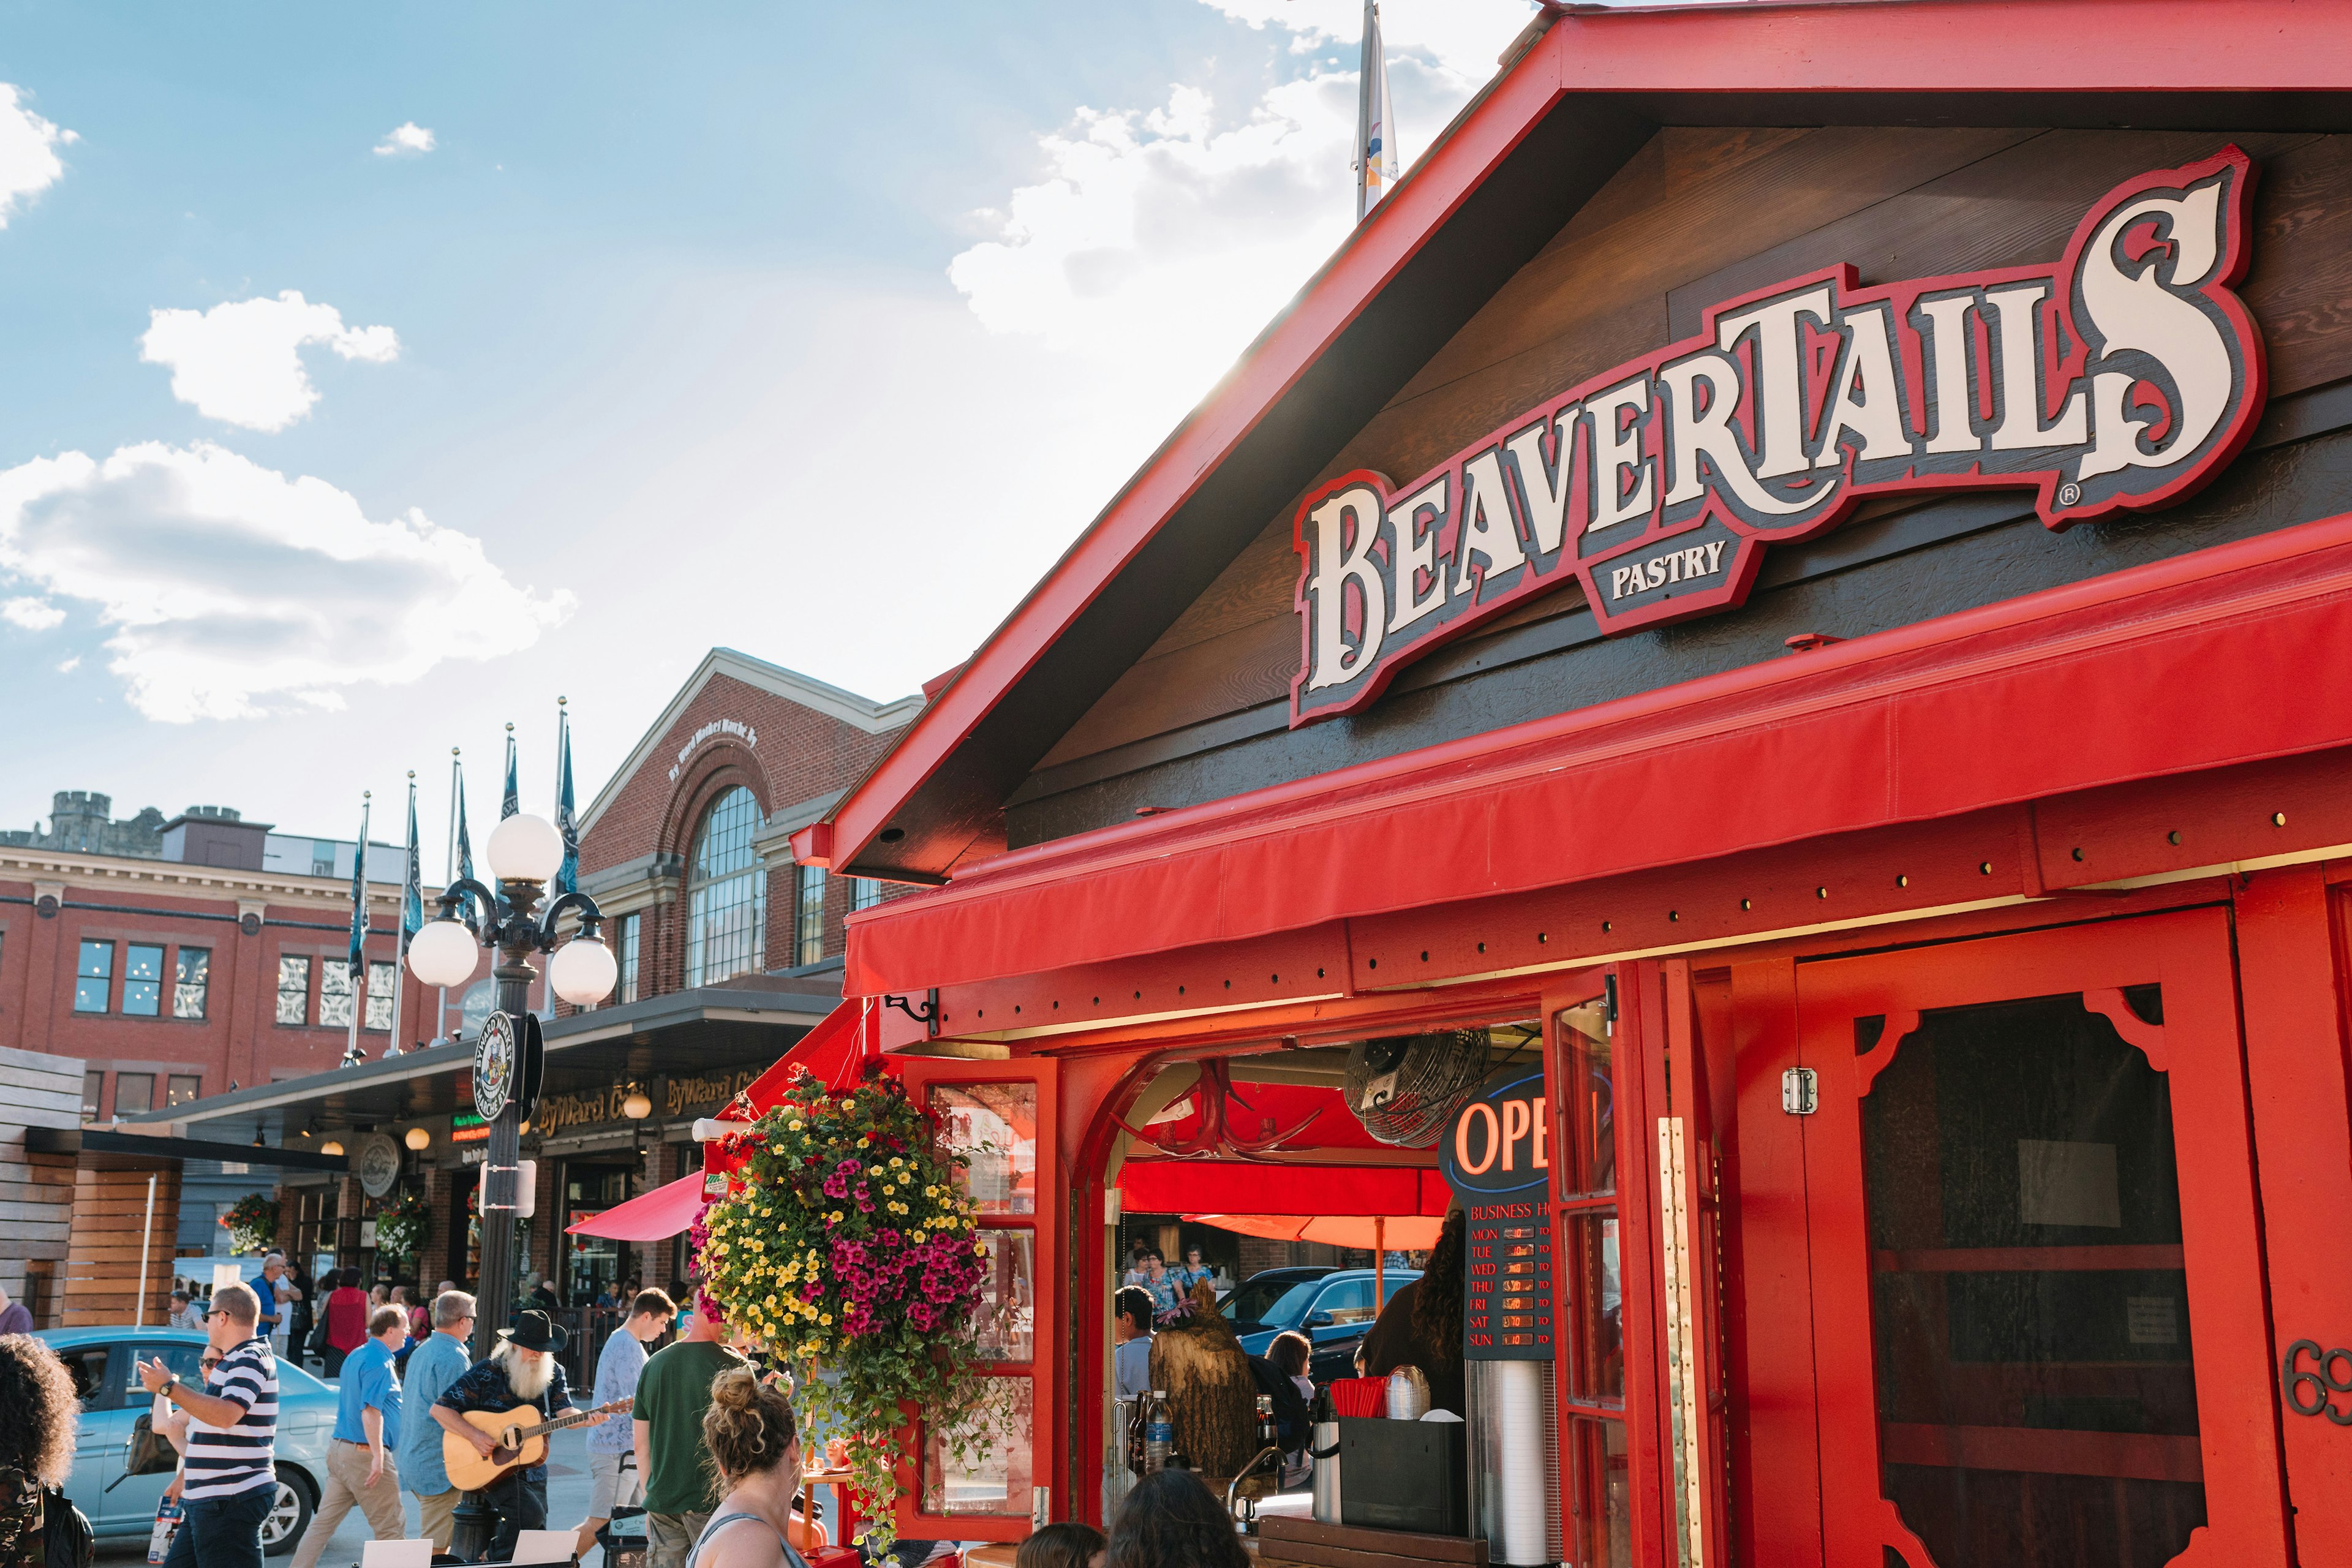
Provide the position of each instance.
(335, 996)
(625, 950)
(380, 981)
(191, 982)
(182, 1088)
(865, 892)
(94, 1086)
(134, 1093)
(727, 894)
(293, 989)
(143, 982)
(92, 977)
(808, 917)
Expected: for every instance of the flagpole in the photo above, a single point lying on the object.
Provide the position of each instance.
(448, 875)
(408, 891)
(356, 965)
(1364, 90)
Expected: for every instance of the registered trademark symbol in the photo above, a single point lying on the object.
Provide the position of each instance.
(2068, 494)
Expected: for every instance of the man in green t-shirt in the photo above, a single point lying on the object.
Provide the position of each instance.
(667, 1427)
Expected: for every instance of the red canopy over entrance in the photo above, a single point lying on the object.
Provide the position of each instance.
(1247, 1187)
(656, 1215)
(1412, 1233)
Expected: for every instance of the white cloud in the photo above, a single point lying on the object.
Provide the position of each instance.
(29, 163)
(66, 667)
(407, 139)
(1158, 242)
(33, 614)
(234, 589)
(241, 362)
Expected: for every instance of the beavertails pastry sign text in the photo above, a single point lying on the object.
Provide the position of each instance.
(2121, 377)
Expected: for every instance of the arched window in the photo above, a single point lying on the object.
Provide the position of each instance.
(727, 894)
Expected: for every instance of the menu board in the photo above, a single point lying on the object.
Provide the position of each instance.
(1495, 1158)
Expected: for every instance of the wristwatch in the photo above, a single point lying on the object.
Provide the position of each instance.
(169, 1384)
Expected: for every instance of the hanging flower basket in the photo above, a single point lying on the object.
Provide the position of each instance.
(251, 1222)
(844, 1239)
(400, 1223)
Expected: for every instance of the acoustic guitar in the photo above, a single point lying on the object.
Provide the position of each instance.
(518, 1447)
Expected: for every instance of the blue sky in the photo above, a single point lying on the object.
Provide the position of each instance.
(813, 330)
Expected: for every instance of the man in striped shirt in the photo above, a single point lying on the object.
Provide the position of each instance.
(231, 1477)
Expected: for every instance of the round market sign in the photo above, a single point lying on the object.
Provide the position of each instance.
(494, 1065)
(375, 1161)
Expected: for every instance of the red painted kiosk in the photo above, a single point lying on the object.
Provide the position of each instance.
(1801, 559)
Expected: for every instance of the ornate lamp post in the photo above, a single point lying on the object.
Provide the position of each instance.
(524, 853)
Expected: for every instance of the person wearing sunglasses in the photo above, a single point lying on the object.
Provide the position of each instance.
(440, 1360)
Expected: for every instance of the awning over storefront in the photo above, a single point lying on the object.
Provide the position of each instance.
(2218, 658)
(656, 1216)
(1411, 1233)
(1248, 1187)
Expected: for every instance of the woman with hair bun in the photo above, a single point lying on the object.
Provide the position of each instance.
(754, 1442)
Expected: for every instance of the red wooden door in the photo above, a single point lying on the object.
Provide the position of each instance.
(2037, 1284)
(1001, 1115)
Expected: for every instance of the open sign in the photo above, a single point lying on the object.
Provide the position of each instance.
(1498, 1143)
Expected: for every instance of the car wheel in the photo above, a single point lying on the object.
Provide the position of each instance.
(290, 1514)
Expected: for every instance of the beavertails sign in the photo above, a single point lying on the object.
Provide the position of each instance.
(2120, 378)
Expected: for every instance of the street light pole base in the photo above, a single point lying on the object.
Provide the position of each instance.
(472, 1528)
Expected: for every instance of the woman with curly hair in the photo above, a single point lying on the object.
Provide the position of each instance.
(37, 1416)
(753, 1442)
(1421, 1324)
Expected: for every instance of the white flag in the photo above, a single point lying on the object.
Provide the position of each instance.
(1376, 158)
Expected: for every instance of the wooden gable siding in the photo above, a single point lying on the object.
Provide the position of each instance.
(1700, 215)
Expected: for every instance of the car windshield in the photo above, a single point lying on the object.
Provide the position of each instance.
(1270, 1300)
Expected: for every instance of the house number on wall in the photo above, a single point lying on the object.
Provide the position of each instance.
(2307, 1392)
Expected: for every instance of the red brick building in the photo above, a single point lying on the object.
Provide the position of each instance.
(729, 952)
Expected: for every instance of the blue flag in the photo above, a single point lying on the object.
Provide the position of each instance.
(359, 899)
(513, 801)
(412, 888)
(567, 877)
(465, 866)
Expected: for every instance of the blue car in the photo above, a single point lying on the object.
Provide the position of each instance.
(1332, 1306)
(122, 1507)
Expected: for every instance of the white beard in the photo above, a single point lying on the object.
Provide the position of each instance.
(528, 1382)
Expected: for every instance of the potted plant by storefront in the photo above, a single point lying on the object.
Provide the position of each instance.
(400, 1222)
(845, 1241)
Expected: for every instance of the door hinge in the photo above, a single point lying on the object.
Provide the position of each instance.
(1799, 1091)
(1041, 1507)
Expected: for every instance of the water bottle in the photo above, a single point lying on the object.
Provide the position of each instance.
(1269, 1431)
(1159, 1433)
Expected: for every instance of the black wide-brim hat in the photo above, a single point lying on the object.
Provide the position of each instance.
(535, 1330)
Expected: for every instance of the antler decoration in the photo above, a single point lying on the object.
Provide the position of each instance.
(1218, 1131)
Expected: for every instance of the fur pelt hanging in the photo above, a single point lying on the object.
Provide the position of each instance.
(1211, 1393)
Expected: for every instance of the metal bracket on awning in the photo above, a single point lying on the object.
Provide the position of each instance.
(927, 1014)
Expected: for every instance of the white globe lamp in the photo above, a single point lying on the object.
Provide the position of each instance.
(443, 954)
(582, 971)
(525, 848)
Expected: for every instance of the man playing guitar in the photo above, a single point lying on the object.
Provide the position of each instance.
(520, 1374)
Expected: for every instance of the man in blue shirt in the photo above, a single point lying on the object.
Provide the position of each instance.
(441, 1360)
(613, 1479)
(359, 1468)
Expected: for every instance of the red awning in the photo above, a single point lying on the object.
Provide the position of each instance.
(1245, 1186)
(1409, 1233)
(832, 1051)
(2224, 656)
(656, 1215)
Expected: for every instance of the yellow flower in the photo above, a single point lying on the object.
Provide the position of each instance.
(834, 1216)
(796, 1126)
(887, 1190)
(979, 1248)
(825, 1321)
(862, 1142)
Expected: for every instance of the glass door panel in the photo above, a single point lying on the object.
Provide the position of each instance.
(984, 1481)
(2037, 1291)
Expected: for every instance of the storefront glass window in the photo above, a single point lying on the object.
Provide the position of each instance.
(1005, 1324)
(727, 894)
(992, 1476)
(2036, 1388)
(996, 1125)
(143, 980)
(1602, 1496)
(293, 989)
(191, 982)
